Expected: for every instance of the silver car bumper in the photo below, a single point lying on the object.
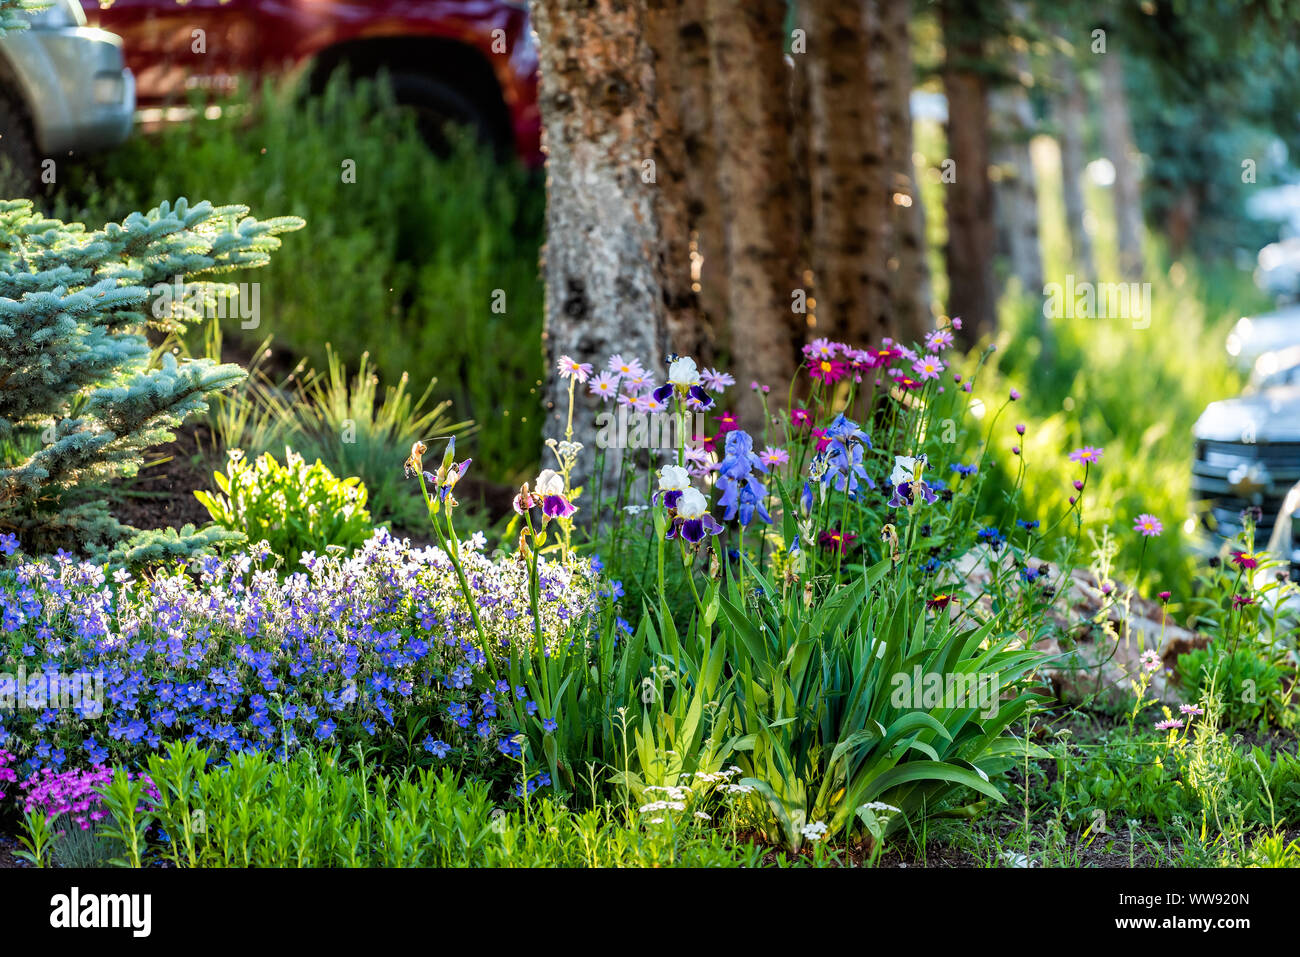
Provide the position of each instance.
(81, 95)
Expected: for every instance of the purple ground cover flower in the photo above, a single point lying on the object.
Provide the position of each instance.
(235, 657)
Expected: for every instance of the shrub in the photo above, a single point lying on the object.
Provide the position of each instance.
(294, 507)
(428, 265)
(342, 421)
(80, 400)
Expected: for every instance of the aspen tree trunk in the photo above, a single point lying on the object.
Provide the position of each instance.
(1071, 106)
(1117, 134)
(603, 288)
(848, 175)
(910, 287)
(1015, 190)
(751, 117)
(971, 293)
(672, 186)
(704, 208)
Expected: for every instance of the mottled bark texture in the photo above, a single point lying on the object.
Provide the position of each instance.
(683, 315)
(751, 116)
(969, 251)
(1117, 135)
(910, 279)
(849, 216)
(704, 207)
(603, 287)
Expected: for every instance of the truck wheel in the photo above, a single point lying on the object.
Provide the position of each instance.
(440, 109)
(18, 156)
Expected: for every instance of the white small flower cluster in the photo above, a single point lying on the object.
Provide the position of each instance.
(814, 831)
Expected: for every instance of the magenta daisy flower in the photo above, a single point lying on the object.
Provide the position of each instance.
(572, 369)
(827, 370)
(1170, 724)
(604, 386)
(1088, 455)
(800, 418)
(1190, 709)
(1148, 525)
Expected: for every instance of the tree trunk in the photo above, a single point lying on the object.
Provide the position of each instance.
(603, 290)
(1015, 192)
(847, 175)
(1071, 106)
(971, 293)
(1117, 134)
(751, 115)
(672, 186)
(695, 113)
(910, 289)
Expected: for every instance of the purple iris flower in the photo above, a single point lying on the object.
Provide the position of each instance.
(694, 529)
(906, 492)
(698, 398)
(557, 506)
(742, 492)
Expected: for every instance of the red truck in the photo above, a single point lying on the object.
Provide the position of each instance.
(470, 62)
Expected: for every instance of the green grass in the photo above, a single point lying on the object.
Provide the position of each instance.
(1136, 392)
(406, 263)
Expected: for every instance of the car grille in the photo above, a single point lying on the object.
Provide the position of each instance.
(1232, 476)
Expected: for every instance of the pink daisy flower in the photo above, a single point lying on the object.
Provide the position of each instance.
(1170, 724)
(716, 381)
(772, 457)
(571, 369)
(625, 367)
(604, 386)
(1088, 455)
(938, 340)
(928, 367)
(1148, 525)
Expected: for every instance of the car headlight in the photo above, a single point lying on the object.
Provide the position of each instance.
(61, 15)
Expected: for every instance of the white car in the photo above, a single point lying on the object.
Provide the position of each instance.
(63, 87)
